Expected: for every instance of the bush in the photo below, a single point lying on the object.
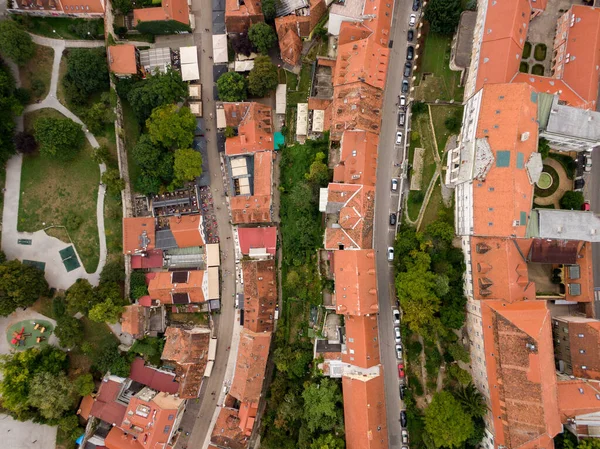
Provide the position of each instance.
(160, 27)
(418, 107)
(59, 306)
(137, 285)
(38, 87)
(572, 200)
(58, 138)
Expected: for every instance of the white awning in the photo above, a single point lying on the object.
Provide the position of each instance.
(212, 255)
(213, 283)
(190, 72)
(196, 108)
(318, 120)
(189, 63)
(195, 91)
(219, 48)
(302, 121)
(280, 98)
(221, 120)
(243, 66)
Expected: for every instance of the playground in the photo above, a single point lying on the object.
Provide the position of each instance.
(29, 333)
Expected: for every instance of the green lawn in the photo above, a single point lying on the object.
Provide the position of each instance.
(57, 27)
(299, 95)
(421, 137)
(434, 206)
(437, 80)
(58, 193)
(38, 72)
(439, 114)
(132, 133)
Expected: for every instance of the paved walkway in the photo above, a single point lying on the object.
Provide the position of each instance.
(45, 248)
(564, 185)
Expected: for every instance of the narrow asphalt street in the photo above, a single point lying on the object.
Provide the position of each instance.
(197, 419)
(386, 202)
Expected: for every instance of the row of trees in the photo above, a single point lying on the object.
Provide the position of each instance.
(262, 79)
(12, 101)
(164, 152)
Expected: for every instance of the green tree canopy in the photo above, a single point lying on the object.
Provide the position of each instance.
(156, 90)
(319, 172)
(80, 297)
(262, 36)
(322, 403)
(471, 400)
(572, 200)
(15, 43)
(187, 165)
(292, 361)
(543, 147)
(171, 126)
(51, 394)
(113, 181)
(156, 163)
(446, 421)
(113, 272)
(459, 353)
(328, 441)
(20, 286)
(87, 69)
(84, 385)
(263, 78)
(443, 15)
(232, 86)
(106, 312)
(69, 331)
(58, 138)
(268, 9)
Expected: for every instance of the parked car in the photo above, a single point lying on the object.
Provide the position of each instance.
(585, 206)
(410, 53)
(412, 20)
(416, 5)
(588, 162)
(397, 336)
(390, 254)
(396, 314)
(401, 371)
(579, 184)
(407, 69)
(402, 100)
(402, 390)
(404, 86)
(399, 352)
(410, 35)
(404, 436)
(401, 118)
(394, 185)
(392, 219)
(403, 419)
(398, 138)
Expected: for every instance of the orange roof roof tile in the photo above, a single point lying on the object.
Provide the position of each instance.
(254, 123)
(188, 350)
(355, 206)
(227, 431)
(187, 230)
(508, 121)
(578, 397)
(122, 59)
(251, 364)
(290, 47)
(520, 369)
(499, 268)
(256, 208)
(543, 84)
(362, 341)
(260, 294)
(138, 234)
(239, 15)
(117, 439)
(162, 287)
(377, 16)
(169, 10)
(85, 407)
(358, 158)
(364, 412)
(82, 7)
(355, 106)
(355, 282)
(247, 414)
(133, 320)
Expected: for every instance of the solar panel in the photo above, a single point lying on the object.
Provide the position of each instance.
(181, 298)
(180, 277)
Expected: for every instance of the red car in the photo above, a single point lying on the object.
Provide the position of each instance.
(586, 206)
(401, 370)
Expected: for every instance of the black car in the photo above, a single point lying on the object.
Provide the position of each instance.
(404, 86)
(402, 390)
(416, 5)
(407, 69)
(579, 183)
(392, 219)
(403, 419)
(410, 36)
(410, 53)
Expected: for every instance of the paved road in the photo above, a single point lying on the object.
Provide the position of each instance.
(386, 202)
(197, 419)
(595, 206)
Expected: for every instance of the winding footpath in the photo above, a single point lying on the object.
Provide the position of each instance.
(45, 248)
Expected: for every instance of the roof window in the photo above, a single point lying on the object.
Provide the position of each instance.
(580, 335)
(580, 390)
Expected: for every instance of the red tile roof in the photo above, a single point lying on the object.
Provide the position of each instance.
(260, 294)
(290, 47)
(254, 123)
(153, 378)
(364, 412)
(239, 15)
(227, 431)
(255, 238)
(82, 7)
(122, 59)
(253, 352)
(508, 121)
(256, 208)
(117, 439)
(552, 86)
(133, 320)
(247, 414)
(105, 406)
(520, 369)
(362, 341)
(187, 230)
(169, 10)
(578, 397)
(85, 407)
(133, 230)
(355, 205)
(188, 351)
(589, 344)
(356, 106)
(355, 282)
(163, 288)
(358, 158)
(152, 259)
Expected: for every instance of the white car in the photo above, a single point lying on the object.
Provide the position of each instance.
(404, 437)
(390, 254)
(396, 314)
(398, 138)
(399, 352)
(397, 335)
(588, 162)
(412, 20)
(402, 100)
(394, 184)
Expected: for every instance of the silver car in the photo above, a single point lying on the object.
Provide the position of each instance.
(397, 336)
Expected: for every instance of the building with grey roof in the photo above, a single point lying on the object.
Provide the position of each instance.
(564, 225)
